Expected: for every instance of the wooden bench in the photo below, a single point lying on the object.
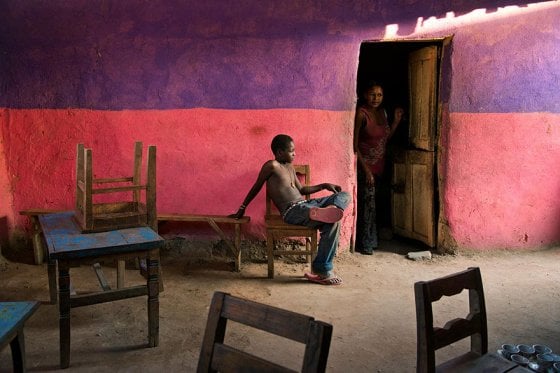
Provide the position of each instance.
(12, 318)
(213, 220)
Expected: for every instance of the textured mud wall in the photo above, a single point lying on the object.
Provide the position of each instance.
(211, 85)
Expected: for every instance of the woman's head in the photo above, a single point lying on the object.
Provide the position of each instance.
(372, 95)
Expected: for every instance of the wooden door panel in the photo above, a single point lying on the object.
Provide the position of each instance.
(422, 195)
(422, 67)
(413, 196)
(401, 219)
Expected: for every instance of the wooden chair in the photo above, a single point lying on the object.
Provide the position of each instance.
(276, 229)
(216, 356)
(99, 217)
(430, 338)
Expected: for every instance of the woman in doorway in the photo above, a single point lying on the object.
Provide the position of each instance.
(371, 133)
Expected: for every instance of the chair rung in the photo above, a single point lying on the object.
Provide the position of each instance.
(292, 252)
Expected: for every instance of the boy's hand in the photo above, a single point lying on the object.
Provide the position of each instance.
(332, 187)
(238, 215)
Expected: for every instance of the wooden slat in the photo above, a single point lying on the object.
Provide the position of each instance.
(126, 188)
(101, 277)
(108, 296)
(113, 180)
(116, 215)
(202, 218)
(229, 359)
(87, 204)
(34, 212)
(137, 169)
(151, 189)
(281, 322)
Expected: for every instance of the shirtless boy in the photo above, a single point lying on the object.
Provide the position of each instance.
(287, 193)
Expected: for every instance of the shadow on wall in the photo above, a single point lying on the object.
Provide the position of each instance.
(15, 246)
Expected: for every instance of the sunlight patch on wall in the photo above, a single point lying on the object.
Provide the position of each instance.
(433, 24)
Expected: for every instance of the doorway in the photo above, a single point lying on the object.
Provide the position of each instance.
(407, 196)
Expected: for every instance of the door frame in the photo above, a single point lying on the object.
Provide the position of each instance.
(443, 86)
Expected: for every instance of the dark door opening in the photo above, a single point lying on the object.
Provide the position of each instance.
(407, 196)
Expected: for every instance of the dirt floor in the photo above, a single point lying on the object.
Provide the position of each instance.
(373, 312)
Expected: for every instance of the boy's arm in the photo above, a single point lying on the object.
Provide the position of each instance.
(264, 174)
(310, 189)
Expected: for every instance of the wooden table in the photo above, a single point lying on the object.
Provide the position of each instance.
(487, 363)
(67, 246)
(12, 318)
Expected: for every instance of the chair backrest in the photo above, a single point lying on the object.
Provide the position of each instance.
(303, 172)
(217, 356)
(430, 338)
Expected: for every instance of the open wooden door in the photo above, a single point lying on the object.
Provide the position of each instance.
(413, 210)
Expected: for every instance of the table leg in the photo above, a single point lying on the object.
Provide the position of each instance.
(121, 269)
(153, 298)
(51, 271)
(17, 345)
(64, 312)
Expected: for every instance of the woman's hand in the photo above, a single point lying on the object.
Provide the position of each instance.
(370, 179)
(399, 113)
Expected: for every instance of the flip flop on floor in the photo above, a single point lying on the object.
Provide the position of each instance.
(333, 280)
(330, 214)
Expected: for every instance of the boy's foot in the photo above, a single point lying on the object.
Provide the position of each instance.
(330, 214)
(329, 280)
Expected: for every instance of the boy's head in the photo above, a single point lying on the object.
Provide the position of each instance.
(280, 142)
(283, 148)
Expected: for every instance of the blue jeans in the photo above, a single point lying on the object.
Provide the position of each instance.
(329, 232)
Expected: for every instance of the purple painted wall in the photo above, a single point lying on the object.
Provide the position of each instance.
(211, 84)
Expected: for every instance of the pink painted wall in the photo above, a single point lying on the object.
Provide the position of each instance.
(206, 159)
(503, 168)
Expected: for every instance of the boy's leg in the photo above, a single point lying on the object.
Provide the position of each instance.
(328, 243)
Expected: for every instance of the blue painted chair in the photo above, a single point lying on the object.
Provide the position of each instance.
(12, 318)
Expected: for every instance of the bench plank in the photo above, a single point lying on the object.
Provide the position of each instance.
(213, 221)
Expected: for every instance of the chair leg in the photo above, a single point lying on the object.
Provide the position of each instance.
(309, 249)
(270, 253)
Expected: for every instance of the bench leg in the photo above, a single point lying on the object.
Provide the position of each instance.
(17, 346)
(237, 244)
(38, 247)
(64, 312)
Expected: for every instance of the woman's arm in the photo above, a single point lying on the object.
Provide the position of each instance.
(359, 122)
(397, 118)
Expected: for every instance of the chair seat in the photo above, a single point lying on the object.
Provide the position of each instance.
(276, 222)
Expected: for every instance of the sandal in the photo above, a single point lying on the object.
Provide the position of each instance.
(332, 280)
(325, 214)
